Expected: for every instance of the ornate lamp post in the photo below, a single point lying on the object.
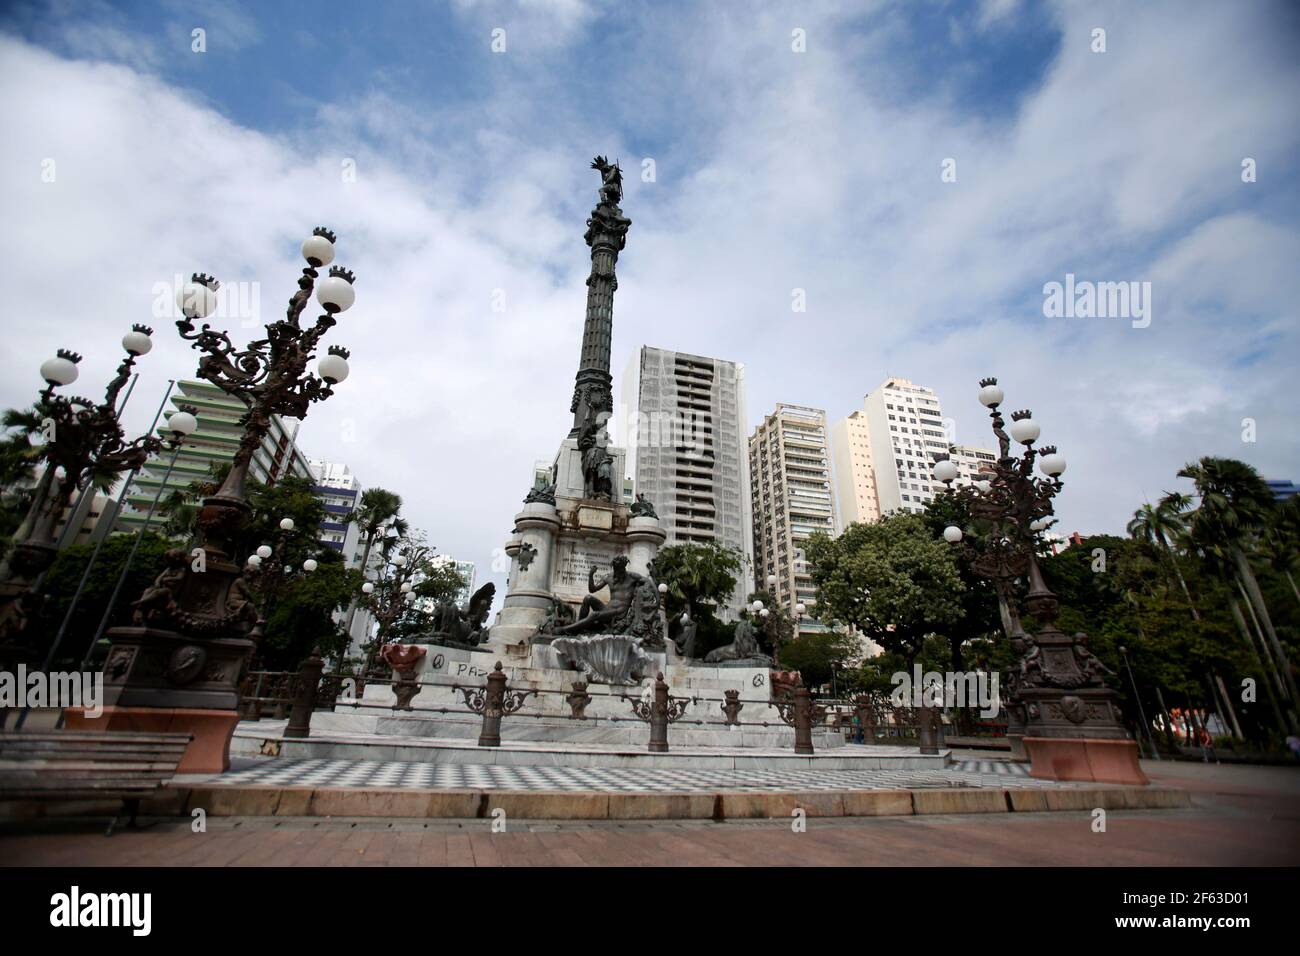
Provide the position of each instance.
(83, 440)
(268, 568)
(181, 424)
(1072, 724)
(179, 668)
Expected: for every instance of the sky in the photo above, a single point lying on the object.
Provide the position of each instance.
(800, 146)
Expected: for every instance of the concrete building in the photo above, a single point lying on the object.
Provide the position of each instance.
(1282, 488)
(854, 472)
(686, 444)
(790, 498)
(340, 491)
(213, 443)
(90, 507)
(885, 452)
(464, 568)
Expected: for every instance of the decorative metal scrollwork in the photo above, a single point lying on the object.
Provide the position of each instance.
(786, 709)
(642, 707)
(512, 701)
(677, 707)
(475, 697)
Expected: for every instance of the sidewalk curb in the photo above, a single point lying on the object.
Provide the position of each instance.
(274, 801)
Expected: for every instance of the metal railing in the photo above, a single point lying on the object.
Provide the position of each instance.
(302, 693)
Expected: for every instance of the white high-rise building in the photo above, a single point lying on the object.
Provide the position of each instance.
(214, 443)
(856, 498)
(789, 463)
(340, 492)
(885, 453)
(687, 450)
(466, 571)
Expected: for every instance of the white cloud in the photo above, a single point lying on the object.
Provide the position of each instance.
(775, 170)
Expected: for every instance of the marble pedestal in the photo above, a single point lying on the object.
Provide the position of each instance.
(210, 730)
(1086, 759)
(162, 681)
(555, 546)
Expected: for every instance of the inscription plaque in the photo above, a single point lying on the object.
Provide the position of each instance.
(574, 560)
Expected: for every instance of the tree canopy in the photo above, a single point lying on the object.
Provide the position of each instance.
(893, 581)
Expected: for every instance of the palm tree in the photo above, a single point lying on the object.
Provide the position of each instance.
(18, 456)
(1279, 544)
(1159, 525)
(376, 513)
(18, 460)
(1235, 506)
(181, 505)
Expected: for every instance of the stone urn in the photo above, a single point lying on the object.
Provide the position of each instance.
(404, 659)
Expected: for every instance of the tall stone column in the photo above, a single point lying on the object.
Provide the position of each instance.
(606, 235)
(529, 597)
(645, 536)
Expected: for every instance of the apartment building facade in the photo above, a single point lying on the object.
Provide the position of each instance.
(214, 442)
(791, 499)
(885, 453)
(686, 444)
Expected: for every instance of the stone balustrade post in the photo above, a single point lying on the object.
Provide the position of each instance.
(493, 707)
(927, 738)
(659, 718)
(802, 721)
(304, 698)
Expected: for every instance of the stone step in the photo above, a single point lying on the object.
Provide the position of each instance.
(632, 733)
(251, 739)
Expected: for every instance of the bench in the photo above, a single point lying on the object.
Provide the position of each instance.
(976, 743)
(79, 765)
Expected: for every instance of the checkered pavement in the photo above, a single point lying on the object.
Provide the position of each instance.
(363, 773)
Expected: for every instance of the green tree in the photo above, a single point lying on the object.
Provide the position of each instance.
(301, 619)
(1234, 510)
(60, 583)
(1280, 544)
(180, 507)
(1160, 526)
(892, 580)
(979, 620)
(1126, 601)
(401, 615)
(820, 657)
(19, 457)
(297, 605)
(376, 514)
(699, 577)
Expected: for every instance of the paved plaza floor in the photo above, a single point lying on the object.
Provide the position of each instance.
(1241, 816)
(374, 773)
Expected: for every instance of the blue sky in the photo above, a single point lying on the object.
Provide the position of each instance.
(775, 170)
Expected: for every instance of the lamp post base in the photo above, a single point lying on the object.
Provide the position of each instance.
(162, 681)
(1017, 752)
(211, 730)
(1086, 759)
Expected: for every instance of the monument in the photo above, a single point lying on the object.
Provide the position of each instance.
(577, 528)
(581, 627)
